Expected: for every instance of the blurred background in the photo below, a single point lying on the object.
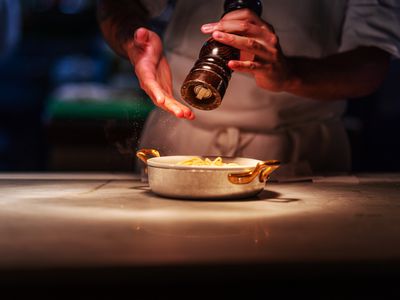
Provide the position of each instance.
(68, 103)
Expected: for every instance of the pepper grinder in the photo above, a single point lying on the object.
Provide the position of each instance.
(206, 83)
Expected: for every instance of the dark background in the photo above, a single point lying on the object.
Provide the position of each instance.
(67, 103)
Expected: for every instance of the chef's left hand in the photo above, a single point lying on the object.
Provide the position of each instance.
(260, 55)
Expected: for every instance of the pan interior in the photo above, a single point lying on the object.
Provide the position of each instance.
(171, 162)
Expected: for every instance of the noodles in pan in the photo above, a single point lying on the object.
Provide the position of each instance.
(197, 161)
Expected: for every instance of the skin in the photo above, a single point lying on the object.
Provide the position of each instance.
(350, 74)
(152, 69)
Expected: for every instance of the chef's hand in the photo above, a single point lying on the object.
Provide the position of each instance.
(145, 52)
(260, 54)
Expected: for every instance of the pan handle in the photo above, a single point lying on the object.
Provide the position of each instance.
(262, 170)
(145, 154)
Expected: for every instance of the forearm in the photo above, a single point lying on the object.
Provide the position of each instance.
(346, 75)
(119, 20)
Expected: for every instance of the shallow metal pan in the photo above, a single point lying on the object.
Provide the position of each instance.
(168, 179)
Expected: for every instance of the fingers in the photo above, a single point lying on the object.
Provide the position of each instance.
(165, 101)
(141, 37)
(248, 16)
(245, 66)
(153, 72)
(177, 108)
(265, 51)
(243, 14)
(244, 28)
(146, 40)
(162, 96)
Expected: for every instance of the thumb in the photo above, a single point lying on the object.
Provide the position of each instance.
(141, 37)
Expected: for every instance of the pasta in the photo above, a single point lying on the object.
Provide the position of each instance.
(197, 161)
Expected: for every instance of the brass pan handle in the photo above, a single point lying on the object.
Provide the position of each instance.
(262, 170)
(145, 154)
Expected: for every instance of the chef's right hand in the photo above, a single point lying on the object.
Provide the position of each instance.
(152, 69)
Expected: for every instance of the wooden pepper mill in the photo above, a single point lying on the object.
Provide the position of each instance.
(206, 83)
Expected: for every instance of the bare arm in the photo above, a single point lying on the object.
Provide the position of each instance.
(122, 23)
(350, 74)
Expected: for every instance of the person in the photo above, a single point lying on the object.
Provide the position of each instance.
(299, 62)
